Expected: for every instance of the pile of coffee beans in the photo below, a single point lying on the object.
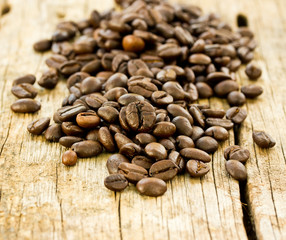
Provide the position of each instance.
(134, 78)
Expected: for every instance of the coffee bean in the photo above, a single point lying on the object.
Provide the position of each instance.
(132, 43)
(168, 144)
(236, 153)
(166, 75)
(75, 78)
(29, 78)
(178, 160)
(142, 86)
(116, 80)
(236, 98)
(55, 61)
(144, 138)
(164, 169)
(197, 115)
(252, 71)
(199, 58)
(263, 139)
(68, 141)
(164, 129)
(108, 114)
(115, 182)
(207, 144)
(24, 90)
(25, 105)
(42, 45)
(225, 123)
(252, 91)
(197, 133)
(87, 120)
(54, 132)
(92, 66)
(71, 129)
(121, 140)
(106, 139)
(87, 148)
(69, 158)
(125, 99)
(69, 67)
(115, 93)
(130, 150)
(236, 114)
(70, 112)
(152, 187)
(133, 173)
(176, 110)
(114, 161)
(217, 132)
(197, 168)
(90, 85)
(214, 78)
(204, 90)
(161, 98)
(175, 90)
(195, 154)
(184, 142)
(236, 169)
(225, 87)
(38, 126)
(183, 126)
(142, 161)
(156, 151)
(213, 113)
(95, 100)
(169, 50)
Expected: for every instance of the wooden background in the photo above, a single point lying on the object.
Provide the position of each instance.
(42, 199)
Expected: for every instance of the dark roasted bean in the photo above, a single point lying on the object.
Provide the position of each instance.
(184, 142)
(54, 132)
(130, 150)
(29, 78)
(90, 85)
(156, 151)
(106, 139)
(251, 91)
(71, 129)
(125, 99)
(207, 144)
(183, 126)
(87, 120)
(25, 105)
(236, 114)
(132, 172)
(178, 160)
(116, 182)
(42, 45)
(152, 187)
(164, 169)
(86, 149)
(68, 141)
(225, 87)
(236, 98)
(144, 138)
(227, 124)
(195, 154)
(121, 140)
(263, 139)
(217, 132)
(197, 168)
(204, 90)
(38, 126)
(213, 113)
(116, 80)
(95, 100)
(164, 129)
(236, 169)
(168, 144)
(70, 112)
(161, 98)
(142, 161)
(24, 90)
(236, 152)
(114, 161)
(69, 158)
(197, 115)
(176, 110)
(252, 71)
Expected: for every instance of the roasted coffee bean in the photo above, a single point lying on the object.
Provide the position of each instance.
(69, 158)
(213, 113)
(42, 45)
(116, 182)
(183, 126)
(133, 43)
(163, 117)
(156, 151)
(191, 92)
(95, 100)
(140, 116)
(87, 148)
(130, 150)
(152, 187)
(197, 133)
(142, 161)
(75, 78)
(197, 115)
(116, 80)
(169, 50)
(236, 98)
(144, 138)
(71, 129)
(92, 66)
(164, 129)
(166, 75)
(207, 144)
(236, 169)
(115, 93)
(121, 140)
(38, 126)
(195, 154)
(225, 123)
(114, 161)
(252, 71)
(92, 135)
(199, 58)
(132, 172)
(70, 112)
(108, 114)
(142, 86)
(251, 91)
(90, 85)
(204, 90)
(25, 105)
(184, 142)
(225, 87)
(161, 98)
(164, 169)
(106, 139)
(168, 144)
(175, 90)
(197, 168)
(54, 132)
(29, 78)
(69, 67)
(236, 114)
(49, 79)
(263, 139)
(24, 90)
(87, 120)
(183, 36)
(178, 160)
(125, 99)
(217, 132)
(217, 77)
(236, 153)
(176, 110)
(119, 63)
(68, 141)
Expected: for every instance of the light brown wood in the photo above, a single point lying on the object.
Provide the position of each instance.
(42, 199)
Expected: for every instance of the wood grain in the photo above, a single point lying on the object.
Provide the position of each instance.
(42, 199)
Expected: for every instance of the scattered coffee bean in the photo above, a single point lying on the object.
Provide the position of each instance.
(236, 152)
(116, 182)
(236, 114)
(184, 142)
(106, 139)
(197, 168)
(142, 161)
(236, 98)
(217, 132)
(207, 144)
(156, 151)
(263, 139)
(251, 91)
(133, 173)
(29, 78)
(225, 123)
(114, 161)
(86, 149)
(42, 45)
(152, 187)
(68, 141)
(49, 79)
(24, 90)
(236, 169)
(25, 105)
(87, 120)
(164, 169)
(130, 150)
(69, 158)
(54, 132)
(38, 126)
(195, 154)
(252, 71)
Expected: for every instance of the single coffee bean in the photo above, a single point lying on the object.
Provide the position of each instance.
(91, 85)
(106, 139)
(71, 129)
(130, 150)
(204, 90)
(156, 151)
(95, 100)
(42, 45)
(29, 78)
(115, 93)
(175, 90)
(92, 135)
(168, 144)
(164, 169)
(197, 168)
(236, 98)
(69, 158)
(166, 75)
(263, 139)
(25, 105)
(75, 78)
(183, 126)
(87, 120)
(236, 153)
(116, 80)
(38, 126)
(133, 43)
(164, 129)
(213, 113)
(108, 114)
(178, 160)
(176, 110)
(144, 138)
(132, 172)
(252, 71)
(197, 115)
(49, 79)
(121, 140)
(70, 67)
(236, 114)
(24, 90)
(225, 87)
(198, 132)
(184, 142)
(217, 132)
(252, 91)
(68, 141)
(225, 123)
(54, 132)
(114, 161)
(142, 161)
(236, 169)
(153, 187)
(142, 86)
(87, 149)
(207, 144)
(195, 154)
(116, 182)
(129, 98)
(70, 112)
(161, 98)
(199, 58)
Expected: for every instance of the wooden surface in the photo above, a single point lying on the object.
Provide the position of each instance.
(42, 199)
